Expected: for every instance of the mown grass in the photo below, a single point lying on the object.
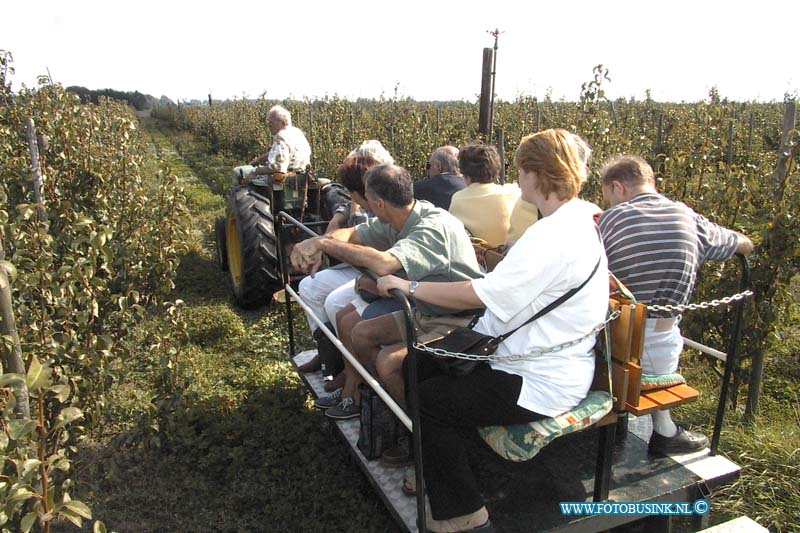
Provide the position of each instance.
(768, 449)
(244, 450)
(241, 448)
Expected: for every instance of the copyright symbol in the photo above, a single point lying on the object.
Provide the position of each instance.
(701, 507)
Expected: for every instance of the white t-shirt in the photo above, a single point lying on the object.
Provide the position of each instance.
(290, 150)
(553, 256)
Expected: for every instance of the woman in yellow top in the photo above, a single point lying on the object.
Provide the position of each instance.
(484, 207)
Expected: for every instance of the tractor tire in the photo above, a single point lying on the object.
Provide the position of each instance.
(252, 248)
(222, 249)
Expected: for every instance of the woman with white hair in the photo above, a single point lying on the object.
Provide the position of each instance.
(374, 149)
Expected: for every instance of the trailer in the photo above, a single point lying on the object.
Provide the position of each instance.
(596, 479)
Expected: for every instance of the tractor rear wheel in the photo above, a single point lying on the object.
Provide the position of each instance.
(222, 249)
(252, 248)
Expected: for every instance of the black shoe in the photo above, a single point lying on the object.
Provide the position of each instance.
(329, 401)
(346, 409)
(684, 441)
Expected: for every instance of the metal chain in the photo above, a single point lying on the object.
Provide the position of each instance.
(494, 357)
(701, 305)
(563, 346)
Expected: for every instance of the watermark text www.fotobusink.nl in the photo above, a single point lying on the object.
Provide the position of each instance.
(634, 508)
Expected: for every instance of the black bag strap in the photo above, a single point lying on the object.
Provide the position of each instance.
(552, 305)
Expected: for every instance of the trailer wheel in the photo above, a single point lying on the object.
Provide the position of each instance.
(251, 245)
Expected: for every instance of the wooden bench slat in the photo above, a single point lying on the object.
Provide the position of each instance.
(620, 377)
(646, 405)
(634, 383)
(621, 332)
(664, 398)
(684, 391)
(638, 317)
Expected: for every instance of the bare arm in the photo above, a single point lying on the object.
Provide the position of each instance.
(259, 160)
(307, 255)
(453, 295)
(337, 221)
(745, 245)
(381, 263)
(345, 245)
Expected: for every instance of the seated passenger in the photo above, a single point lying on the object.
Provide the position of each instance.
(521, 391)
(443, 178)
(316, 290)
(406, 236)
(289, 151)
(341, 216)
(484, 206)
(655, 247)
(525, 213)
(332, 289)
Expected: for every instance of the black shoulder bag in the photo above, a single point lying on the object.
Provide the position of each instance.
(468, 341)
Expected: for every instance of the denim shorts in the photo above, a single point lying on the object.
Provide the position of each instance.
(380, 307)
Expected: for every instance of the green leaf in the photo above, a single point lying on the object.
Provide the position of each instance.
(61, 391)
(83, 221)
(68, 415)
(11, 379)
(79, 508)
(72, 517)
(29, 466)
(27, 522)
(99, 527)
(20, 428)
(21, 494)
(105, 342)
(38, 374)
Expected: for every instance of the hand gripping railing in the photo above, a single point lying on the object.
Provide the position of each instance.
(412, 422)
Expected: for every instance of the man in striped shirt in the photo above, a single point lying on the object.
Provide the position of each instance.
(655, 247)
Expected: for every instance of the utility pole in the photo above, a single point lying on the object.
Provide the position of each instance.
(496, 33)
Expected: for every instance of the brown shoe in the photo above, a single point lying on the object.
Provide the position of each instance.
(397, 456)
(311, 366)
(335, 383)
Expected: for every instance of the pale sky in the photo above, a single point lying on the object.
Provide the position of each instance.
(433, 50)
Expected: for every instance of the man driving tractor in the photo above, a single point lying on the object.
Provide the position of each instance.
(289, 151)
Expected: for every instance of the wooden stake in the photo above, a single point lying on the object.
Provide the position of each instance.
(785, 154)
(36, 170)
(12, 357)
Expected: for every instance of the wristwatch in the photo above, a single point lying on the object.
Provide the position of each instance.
(412, 287)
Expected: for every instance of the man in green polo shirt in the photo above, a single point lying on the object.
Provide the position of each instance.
(410, 238)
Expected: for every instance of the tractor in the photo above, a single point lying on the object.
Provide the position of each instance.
(247, 245)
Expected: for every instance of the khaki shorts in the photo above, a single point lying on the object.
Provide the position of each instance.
(429, 328)
(665, 324)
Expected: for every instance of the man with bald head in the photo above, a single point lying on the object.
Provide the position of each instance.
(655, 247)
(444, 178)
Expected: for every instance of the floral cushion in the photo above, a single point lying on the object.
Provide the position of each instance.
(523, 441)
(661, 381)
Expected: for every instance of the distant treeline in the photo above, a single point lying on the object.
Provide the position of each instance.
(137, 100)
